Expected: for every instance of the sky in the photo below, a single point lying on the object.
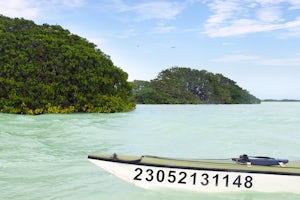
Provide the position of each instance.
(256, 43)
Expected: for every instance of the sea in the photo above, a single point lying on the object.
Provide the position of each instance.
(45, 156)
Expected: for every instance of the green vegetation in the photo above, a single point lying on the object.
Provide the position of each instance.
(47, 69)
(281, 100)
(189, 86)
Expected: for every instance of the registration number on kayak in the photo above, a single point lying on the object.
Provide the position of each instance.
(196, 178)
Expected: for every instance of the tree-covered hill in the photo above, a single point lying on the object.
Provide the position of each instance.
(189, 86)
(47, 69)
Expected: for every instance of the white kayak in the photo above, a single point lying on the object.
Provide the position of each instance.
(243, 174)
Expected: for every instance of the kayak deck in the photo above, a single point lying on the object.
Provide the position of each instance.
(292, 168)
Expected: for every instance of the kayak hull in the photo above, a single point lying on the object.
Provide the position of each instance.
(153, 174)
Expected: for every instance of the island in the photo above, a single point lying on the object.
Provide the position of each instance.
(180, 85)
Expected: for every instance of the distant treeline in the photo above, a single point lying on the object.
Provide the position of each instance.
(179, 85)
(47, 69)
(281, 100)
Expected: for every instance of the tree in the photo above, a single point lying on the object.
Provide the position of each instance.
(47, 69)
(190, 86)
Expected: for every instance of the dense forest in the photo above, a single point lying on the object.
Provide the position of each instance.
(189, 86)
(47, 69)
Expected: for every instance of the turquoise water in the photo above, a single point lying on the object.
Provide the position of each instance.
(45, 156)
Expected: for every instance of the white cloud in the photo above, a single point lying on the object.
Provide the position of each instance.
(295, 4)
(291, 33)
(246, 26)
(269, 15)
(223, 10)
(150, 10)
(163, 28)
(158, 10)
(71, 3)
(233, 17)
(116, 5)
(236, 58)
(31, 9)
(283, 62)
(19, 8)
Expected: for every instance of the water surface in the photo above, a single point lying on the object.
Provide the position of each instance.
(45, 156)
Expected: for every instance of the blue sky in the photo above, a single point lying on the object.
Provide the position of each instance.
(253, 42)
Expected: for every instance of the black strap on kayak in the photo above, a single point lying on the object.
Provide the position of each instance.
(259, 160)
(243, 159)
(114, 157)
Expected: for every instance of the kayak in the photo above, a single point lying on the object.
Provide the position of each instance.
(242, 174)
